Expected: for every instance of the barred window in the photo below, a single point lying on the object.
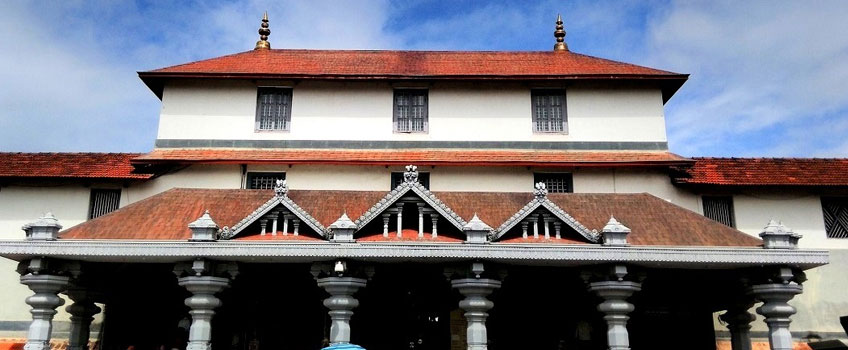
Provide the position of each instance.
(423, 178)
(273, 109)
(410, 111)
(103, 202)
(263, 180)
(719, 208)
(835, 210)
(555, 182)
(549, 112)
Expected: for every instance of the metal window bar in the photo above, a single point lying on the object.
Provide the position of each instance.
(263, 181)
(556, 183)
(835, 212)
(411, 111)
(274, 112)
(103, 202)
(548, 112)
(719, 209)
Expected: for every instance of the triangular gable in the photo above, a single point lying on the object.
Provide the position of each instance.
(280, 199)
(541, 200)
(410, 184)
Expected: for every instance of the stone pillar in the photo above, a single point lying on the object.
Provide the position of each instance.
(557, 229)
(476, 306)
(777, 311)
(738, 321)
(399, 220)
(341, 304)
(386, 218)
(614, 290)
(285, 224)
(420, 220)
(296, 225)
(202, 303)
(44, 303)
(82, 313)
(264, 225)
(203, 279)
(273, 218)
(524, 225)
(535, 220)
(435, 219)
(546, 218)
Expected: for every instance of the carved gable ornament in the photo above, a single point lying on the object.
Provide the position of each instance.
(540, 200)
(278, 207)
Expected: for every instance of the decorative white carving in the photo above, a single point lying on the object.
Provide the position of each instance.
(411, 174)
(281, 188)
(543, 201)
(540, 190)
(268, 207)
(777, 236)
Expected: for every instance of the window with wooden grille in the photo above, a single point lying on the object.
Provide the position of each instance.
(263, 180)
(410, 111)
(103, 202)
(423, 178)
(555, 182)
(549, 112)
(835, 210)
(273, 109)
(719, 208)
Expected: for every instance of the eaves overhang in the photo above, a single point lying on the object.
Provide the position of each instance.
(515, 254)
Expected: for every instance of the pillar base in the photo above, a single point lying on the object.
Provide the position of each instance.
(344, 346)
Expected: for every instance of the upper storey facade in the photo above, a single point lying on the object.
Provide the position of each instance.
(427, 99)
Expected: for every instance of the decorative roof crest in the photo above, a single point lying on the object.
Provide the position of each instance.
(204, 221)
(343, 222)
(777, 236)
(615, 233)
(264, 32)
(541, 190)
(411, 174)
(281, 188)
(475, 224)
(559, 34)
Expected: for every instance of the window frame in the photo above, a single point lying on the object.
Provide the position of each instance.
(843, 201)
(539, 176)
(731, 208)
(548, 92)
(92, 206)
(250, 175)
(423, 178)
(288, 115)
(395, 122)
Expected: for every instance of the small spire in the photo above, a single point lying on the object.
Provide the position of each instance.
(264, 32)
(559, 34)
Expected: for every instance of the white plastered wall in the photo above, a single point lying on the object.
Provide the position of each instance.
(363, 111)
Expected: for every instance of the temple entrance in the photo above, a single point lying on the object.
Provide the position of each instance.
(407, 307)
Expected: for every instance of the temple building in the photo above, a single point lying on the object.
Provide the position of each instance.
(440, 200)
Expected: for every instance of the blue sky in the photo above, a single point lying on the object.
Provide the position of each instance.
(768, 78)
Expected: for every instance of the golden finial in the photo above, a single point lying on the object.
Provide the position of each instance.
(264, 32)
(559, 34)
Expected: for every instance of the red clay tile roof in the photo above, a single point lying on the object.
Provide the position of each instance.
(166, 215)
(765, 172)
(412, 156)
(69, 165)
(377, 64)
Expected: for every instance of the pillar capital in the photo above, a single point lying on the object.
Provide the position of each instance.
(341, 304)
(777, 311)
(44, 303)
(613, 287)
(82, 313)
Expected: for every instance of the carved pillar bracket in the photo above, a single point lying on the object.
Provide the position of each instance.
(341, 304)
(614, 290)
(776, 309)
(46, 278)
(476, 306)
(738, 321)
(203, 279)
(82, 312)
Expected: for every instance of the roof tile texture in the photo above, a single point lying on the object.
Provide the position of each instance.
(766, 171)
(377, 63)
(69, 165)
(401, 156)
(166, 215)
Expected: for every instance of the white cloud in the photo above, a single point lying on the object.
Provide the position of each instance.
(760, 71)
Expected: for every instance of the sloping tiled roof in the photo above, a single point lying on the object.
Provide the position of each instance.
(166, 215)
(69, 165)
(387, 63)
(384, 64)
(411, 156)
(765, 172)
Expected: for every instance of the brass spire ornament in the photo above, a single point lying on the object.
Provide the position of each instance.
(264, 32)
(559, 34)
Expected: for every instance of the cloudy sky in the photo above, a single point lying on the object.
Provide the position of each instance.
(768, 78)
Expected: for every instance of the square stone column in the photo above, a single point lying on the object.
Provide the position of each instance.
(44, 303)
(476, 306)
(777, 311)
(614, 289)
(203, 279)
(82, 313)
